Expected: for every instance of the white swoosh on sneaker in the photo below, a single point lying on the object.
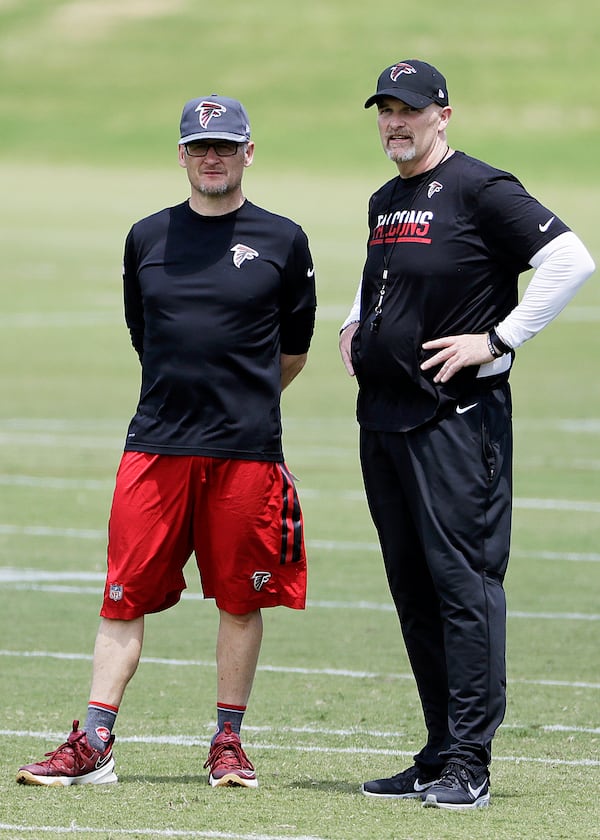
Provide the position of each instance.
(476, 791)
(419, 788)
(463, 410)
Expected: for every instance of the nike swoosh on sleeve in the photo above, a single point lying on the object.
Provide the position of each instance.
(543, 228)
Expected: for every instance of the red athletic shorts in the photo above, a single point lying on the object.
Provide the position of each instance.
(241, 519)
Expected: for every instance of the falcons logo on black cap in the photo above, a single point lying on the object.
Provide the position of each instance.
(402, 68)
(208, 110)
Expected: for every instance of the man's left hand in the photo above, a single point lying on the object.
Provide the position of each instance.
(456, 352)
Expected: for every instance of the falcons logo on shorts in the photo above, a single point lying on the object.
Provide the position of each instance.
(242, 253)
(208, 110)
(260, 578)
(401, 69)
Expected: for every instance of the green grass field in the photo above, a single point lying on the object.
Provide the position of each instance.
(90, 103)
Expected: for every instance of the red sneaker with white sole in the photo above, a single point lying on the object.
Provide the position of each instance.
(73, 763)
(229, 765)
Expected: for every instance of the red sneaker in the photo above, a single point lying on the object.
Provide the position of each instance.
(73, 763)
(229, 764)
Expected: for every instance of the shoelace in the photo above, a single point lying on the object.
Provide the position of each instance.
(236, 758)
(66, 747)
(454, 769)
(69, 750)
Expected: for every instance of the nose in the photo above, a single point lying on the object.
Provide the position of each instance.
(211, 154)
(397, 120)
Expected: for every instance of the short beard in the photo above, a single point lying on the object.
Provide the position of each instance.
(401, 157)
(217, 189)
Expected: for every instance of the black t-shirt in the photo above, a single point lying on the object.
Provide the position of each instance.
(211, 302)
(455, 240)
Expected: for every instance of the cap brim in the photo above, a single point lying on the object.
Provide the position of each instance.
(214, 135)
(415, 100)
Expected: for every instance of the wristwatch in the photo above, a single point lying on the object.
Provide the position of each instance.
(495, 344)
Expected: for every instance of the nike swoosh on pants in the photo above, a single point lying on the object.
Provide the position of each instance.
(464, 409)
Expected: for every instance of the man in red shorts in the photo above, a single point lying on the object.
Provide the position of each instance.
(220, 303)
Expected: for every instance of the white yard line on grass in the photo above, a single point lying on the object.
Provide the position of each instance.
(33, 320)
(73, 828)
(190, 741)
(55, 482)
(321, 731)
(62, 589)
(325, 545)
(46, 581)
(59, 483)
(332, 313)
(280, 669)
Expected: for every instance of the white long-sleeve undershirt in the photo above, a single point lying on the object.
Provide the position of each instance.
(561, 267)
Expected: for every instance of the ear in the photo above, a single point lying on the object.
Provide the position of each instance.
(249, 154)
(445, 115)
(181, 156)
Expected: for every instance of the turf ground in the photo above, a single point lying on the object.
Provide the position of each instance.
(334, 702)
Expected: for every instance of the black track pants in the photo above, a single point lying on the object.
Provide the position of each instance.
(441, 498)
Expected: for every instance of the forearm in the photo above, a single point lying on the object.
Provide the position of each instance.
(354, 314)
(562, 267)
(291, 367)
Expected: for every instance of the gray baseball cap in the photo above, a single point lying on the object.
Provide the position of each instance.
(414, 82)
(214, 117)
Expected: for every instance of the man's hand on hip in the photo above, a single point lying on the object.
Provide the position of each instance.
(456, 352)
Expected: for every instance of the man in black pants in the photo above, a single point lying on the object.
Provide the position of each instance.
(431, 339)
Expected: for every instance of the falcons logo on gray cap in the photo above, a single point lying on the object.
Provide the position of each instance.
(208, 110)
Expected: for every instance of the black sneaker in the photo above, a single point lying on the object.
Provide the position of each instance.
(460, 788)
(410, 784)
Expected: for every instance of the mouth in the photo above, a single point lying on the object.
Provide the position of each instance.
(399, 138)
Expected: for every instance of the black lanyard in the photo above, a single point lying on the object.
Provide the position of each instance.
(378, 311)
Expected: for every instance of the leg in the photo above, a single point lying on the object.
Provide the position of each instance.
(149, 544)
(416, 601)
(464, 464)
(463, 469)
(249, 545)
(116, 656)
(238, 646)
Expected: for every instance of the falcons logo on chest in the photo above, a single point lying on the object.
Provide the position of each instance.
(241, 253)
(434, 188)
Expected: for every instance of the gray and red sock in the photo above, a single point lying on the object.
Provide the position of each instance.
(227, 713)
(99, 724)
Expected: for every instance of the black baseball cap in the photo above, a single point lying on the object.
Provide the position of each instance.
(214, 117)
(414, 82)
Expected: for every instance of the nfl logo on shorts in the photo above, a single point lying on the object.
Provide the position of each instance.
(116, 592)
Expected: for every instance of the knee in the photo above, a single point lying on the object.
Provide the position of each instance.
(241, 621)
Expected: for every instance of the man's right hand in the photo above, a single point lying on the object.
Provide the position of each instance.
(345, 346)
